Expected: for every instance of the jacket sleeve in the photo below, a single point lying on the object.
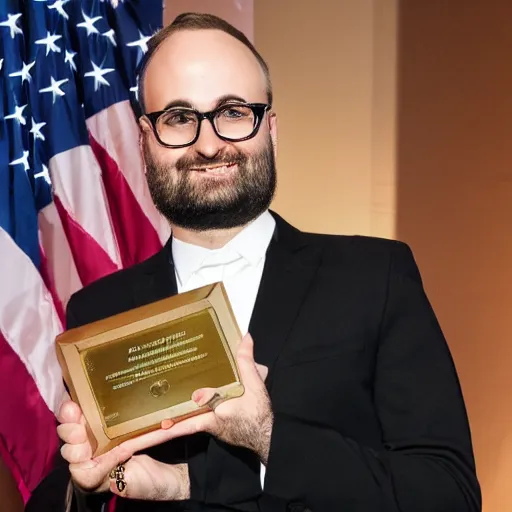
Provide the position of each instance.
(81, 501)
(426, 461)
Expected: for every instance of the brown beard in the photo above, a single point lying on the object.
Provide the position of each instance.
(213, 204)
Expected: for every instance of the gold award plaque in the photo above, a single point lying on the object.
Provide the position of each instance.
(130, 371)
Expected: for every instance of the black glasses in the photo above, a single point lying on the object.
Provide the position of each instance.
(178, 127)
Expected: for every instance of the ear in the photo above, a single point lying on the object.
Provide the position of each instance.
(272, 119)
(144, 124)
(143, 133)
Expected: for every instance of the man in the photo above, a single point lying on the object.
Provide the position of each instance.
(356, 405)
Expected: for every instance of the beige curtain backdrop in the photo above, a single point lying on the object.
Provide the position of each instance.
(395, 120)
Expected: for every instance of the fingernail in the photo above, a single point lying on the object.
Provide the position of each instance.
(166, 424)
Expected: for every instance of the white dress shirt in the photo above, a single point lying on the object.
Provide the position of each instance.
(239, 265)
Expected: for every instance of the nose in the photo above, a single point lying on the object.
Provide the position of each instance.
(208, 144)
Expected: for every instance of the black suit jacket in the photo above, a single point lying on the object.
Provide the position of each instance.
(369, 414)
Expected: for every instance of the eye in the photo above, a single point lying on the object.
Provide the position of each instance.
(178, 118)
(235, 112)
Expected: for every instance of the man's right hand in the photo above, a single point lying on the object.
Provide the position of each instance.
(146, 478)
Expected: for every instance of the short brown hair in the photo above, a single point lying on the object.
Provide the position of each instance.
(195, 21)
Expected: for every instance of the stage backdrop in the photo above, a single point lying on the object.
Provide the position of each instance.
(410, 139)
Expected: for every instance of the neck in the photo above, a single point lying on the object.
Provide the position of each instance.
(212, 239)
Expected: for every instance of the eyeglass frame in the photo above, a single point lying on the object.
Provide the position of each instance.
(258, 110)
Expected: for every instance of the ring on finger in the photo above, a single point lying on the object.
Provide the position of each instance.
(214, 401)
(117, 474)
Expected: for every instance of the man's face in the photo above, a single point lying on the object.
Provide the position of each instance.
(212, 184)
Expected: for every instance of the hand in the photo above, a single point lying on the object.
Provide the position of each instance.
(146, 478)
(244, 421)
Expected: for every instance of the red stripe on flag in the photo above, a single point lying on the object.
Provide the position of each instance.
(29, 429)
(136, 237)
(51, 287)
(92, 262)
(14, 470)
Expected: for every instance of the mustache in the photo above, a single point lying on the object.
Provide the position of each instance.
(186, 163)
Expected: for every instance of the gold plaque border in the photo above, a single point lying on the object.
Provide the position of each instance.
(68, 351)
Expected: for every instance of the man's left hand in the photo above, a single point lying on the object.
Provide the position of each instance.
(245, 421)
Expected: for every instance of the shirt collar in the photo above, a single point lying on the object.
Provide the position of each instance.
(251, 243)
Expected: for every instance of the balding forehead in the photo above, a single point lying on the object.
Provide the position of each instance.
(201, 63)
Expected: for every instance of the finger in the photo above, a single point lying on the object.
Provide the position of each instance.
(70, 412)
(118, 482)
(171, 431)
(215, 400)
(148, 440)
(205, 422)
(92, 474)
(76, 453)
(262, 371)
(166, 424)
(245, 359)
(145, 478)
(72, 433)
(202, 396)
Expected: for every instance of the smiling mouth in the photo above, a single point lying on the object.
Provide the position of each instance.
(215, 169)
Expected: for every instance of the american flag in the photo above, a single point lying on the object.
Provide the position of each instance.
(74, 204)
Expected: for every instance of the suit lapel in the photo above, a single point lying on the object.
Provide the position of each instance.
(290, 266)
(158, 280)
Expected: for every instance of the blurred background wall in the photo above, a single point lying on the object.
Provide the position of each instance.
(395, 120)
(454, 202)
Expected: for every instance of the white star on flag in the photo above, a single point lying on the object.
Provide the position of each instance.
(142, 42)
(88, 24)
(11, 23)
(58, 6)
(1, 63)
(22, 160)
(49, 41)
(135, 91)
(24, 72)
(111, 36)
(18, 111)
(113, 3)
(55, 88)
(36, 130)
(69, 58)
(97, 74)
(44, 174)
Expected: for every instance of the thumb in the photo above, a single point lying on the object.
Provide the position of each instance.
(70, 412)
(93, 473)
(249, 374)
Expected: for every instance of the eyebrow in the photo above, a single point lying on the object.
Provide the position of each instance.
(222, 100)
